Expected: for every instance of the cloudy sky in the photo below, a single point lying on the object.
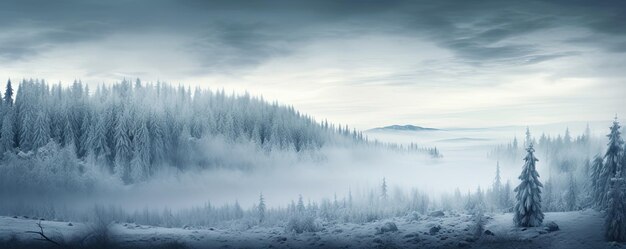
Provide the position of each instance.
(364, 63)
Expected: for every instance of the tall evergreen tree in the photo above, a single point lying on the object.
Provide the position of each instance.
(26, 130)
(497, 187)
(98, 140)
(527, 138)
(41, 129)
(6, 135)
(612, 162)
(157, 140)
(571, 197)
(528, 194)
(597, 189)
(383, 189)
(261, 208)
(141, 152)
(567, 139)
(615, 224)
(8, 94)
(300, 207)
(123, 147)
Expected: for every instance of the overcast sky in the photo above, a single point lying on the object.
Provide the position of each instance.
(364, 63)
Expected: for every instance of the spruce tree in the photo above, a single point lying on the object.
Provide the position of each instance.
(123, 147)
(596, 188)
(98, 140)
(8, 94)
(611, 162)
(383, 189)
(528, 194)
(615, 223)
(300, 207)
(527, 138)
(497, 187)
(25, 128)
(141, 152)
(157, 143)
(572, 193)
(261, 208)
(41, 131)
(6, 135)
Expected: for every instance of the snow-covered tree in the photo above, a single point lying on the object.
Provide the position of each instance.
(300, 207)
(102, 125)
(612, 162)
(597, 188)
(528, 194)
(139, 165)
(123, 146)
(383, 189)
(527, 138)
(571, 196)
(6, 135)
(98, 139)
(261, 208)
(615, 224)
(497, 187)
(41, 129)
(567, 139)
(8, 94)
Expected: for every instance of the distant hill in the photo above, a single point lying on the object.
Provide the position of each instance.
(403, 128)
(462, 139)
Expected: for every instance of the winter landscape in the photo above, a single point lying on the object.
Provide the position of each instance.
(312, 124)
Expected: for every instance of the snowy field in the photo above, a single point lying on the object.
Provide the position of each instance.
(582, 229)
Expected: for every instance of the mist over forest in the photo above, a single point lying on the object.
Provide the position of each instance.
(204, 124)
(163, 155)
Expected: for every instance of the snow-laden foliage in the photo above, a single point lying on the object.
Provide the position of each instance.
(573, 172)
(612, 164)
(51, 169)
(616, 210)
(132, 130)
(528, 194)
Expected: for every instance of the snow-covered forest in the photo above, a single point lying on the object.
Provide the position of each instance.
(62, 141)
(69, 137)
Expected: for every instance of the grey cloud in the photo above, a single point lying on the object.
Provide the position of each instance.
(235, 34)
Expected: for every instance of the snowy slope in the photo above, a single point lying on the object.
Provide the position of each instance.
(577, 230)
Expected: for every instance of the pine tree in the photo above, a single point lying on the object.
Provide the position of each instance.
(83, 145)
(528, 194)
(383, 189)
(41, 131)
(548, 196)
(497, 187)
(572, 193)
(587, 134)
(157, 141)
(300, 206)
(596, 187)
(6, 135)
(67, 138)
(350, 198)
(611, 162)
(528, 138)
(141, 153)
(123, 147)
(261, 208)
(615, 223)
(567, 139)
(506, 195)
(98, 139)
(8, 94)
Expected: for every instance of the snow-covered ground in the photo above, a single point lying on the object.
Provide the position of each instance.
(582, 229)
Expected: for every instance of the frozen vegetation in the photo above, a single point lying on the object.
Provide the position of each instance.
(136, 165)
